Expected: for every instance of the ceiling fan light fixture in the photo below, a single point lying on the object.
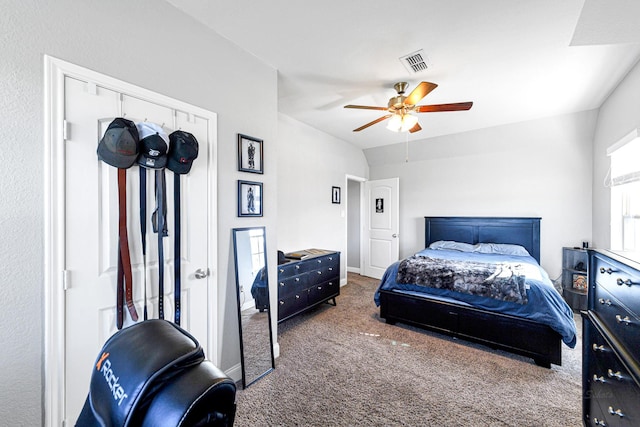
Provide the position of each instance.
(395, 123)
(402, 123)
(408, 121)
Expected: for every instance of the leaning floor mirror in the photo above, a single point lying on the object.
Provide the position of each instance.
(254, 314)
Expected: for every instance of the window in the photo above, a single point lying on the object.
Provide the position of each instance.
(625, 192)
(256, 237)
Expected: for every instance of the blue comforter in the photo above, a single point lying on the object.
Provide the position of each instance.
(545, 305)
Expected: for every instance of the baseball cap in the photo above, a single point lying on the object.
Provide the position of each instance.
(154, 145)
(183, 150)
(120, 144)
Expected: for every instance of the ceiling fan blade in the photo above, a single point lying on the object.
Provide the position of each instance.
(419, 92)
(459, 106)
(378, 120)
(416, 128)
(366, 107)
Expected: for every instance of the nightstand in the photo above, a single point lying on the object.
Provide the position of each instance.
(574, 277)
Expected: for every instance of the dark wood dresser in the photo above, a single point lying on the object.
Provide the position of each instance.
(611, 341)
(307, 282)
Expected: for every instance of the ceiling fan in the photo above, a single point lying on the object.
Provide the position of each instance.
(400, 108)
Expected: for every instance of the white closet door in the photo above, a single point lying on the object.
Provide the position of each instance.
(91, 235)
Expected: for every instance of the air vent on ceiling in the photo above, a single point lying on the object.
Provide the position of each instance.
(415, 62)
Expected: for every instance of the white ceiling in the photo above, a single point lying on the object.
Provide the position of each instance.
(516, 60)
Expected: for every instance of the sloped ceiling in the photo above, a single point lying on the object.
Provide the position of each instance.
(516, 61)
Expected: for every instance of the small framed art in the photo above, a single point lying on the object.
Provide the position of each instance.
(580, 282)
(335, 195)
(250, 154)
(249, 198)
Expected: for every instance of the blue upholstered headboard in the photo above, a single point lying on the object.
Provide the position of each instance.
(518, 231)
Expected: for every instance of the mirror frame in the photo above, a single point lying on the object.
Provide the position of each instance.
(246, 382)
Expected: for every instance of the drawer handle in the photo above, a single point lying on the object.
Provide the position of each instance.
(617, 375)
(281, 283)
(624, 319)
(599, 422)
(319, 272)
(281, 302)
(319, 288)
(319, 261)
(330, 268)
(604, 301)
(281, 270)
(621, 282)
(297, 296)
(617, 412)
(297, 279)
(597, 347)
(330, 258)
(297, 267)
(606, 270)
(599, 379)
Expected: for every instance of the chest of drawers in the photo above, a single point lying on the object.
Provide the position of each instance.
(306, 283)
(611, 343)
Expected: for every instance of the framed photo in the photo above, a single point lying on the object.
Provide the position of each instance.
(335, 195)
(580, 282)
(250, 154)
(249, 198)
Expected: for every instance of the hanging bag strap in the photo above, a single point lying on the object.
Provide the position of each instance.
(124, 260)
(176, 245)
(160, 227)
(143, 233)
(119, 291)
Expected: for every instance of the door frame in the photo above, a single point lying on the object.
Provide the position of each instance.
(361, 182)
(55, 282)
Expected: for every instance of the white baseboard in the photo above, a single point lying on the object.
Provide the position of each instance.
(353, 270)
(235, 373)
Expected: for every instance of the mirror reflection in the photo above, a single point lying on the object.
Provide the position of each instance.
(254, 316)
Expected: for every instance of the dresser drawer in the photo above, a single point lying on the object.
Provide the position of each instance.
(594, 415)
(624, 326)
(324, 273)
(290, 285)
(620, 280)
(613, 387)
(608, 383)
(323, 291)
(289, 269)
(292, 304)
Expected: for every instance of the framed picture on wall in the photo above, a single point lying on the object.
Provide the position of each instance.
(335, 195)
(249, 198)
(250, 154)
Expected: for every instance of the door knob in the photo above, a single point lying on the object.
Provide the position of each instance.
(201, 274)
(394, 235)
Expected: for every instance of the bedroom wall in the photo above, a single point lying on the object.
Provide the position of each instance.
(310, 162)
(539, 168)
(618, 116)
(147, 43)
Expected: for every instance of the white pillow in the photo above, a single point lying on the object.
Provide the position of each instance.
(501, 248)
(451, 245)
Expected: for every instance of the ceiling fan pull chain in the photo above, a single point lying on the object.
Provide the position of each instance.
(406, 156)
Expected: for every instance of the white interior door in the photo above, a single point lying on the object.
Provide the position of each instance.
(381, 225)
(91, 231)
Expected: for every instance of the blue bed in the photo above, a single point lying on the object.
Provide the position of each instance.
(533, 326)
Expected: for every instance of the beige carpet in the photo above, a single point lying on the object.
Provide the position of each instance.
(343, 366)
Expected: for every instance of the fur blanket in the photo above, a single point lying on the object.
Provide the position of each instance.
(502, 281)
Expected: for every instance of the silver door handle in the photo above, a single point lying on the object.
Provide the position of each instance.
(394, 235)
(201, 274)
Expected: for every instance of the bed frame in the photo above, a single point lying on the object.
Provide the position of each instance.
(513, 334)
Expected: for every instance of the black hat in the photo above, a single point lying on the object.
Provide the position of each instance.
(183, 150)
(120, 144)
(154, 145)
